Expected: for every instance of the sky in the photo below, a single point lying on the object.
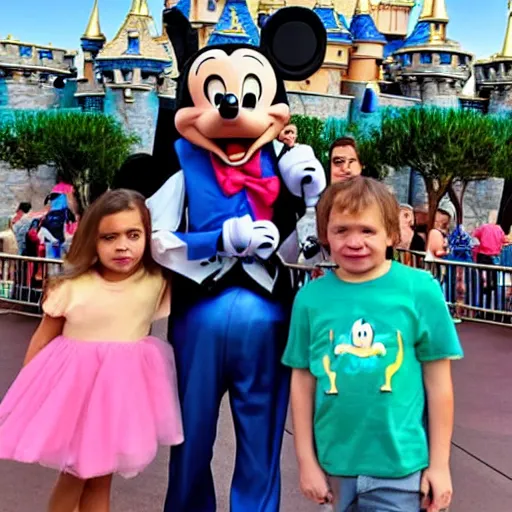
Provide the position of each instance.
(479, 25)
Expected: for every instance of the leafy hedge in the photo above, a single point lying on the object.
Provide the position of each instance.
(320, 134)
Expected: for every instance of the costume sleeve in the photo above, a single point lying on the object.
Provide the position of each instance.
(437, 337)
(296, 354)
(200, 245)
(164, 301)
(58, 299)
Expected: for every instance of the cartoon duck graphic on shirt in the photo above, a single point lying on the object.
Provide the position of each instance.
(367, 349)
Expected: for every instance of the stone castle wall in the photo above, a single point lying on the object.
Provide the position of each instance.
(16, 186)
(139, 117)
(319, 105)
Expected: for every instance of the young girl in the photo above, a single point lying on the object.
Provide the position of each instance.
(97, 393)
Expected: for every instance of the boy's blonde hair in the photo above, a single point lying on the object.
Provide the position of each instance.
(354, 195)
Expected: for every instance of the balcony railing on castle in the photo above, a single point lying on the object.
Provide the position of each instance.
(480, 293)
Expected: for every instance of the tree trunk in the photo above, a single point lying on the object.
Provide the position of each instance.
(458, 200)
(435, 192)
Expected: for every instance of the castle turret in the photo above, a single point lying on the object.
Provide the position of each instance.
(90, 93)
(368, 50)
(392, 17)
(493, 76)
(202, 14)
(268, 7)
(429, 66)
(132, 68)
(235, 25)
(33, 75)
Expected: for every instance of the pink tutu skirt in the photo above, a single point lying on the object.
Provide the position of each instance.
(93, 408)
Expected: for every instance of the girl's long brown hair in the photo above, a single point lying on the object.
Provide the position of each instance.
(82, 256)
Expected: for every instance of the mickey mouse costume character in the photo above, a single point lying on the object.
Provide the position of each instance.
(219, 220)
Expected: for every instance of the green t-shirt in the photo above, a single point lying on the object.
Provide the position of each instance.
(364, 343)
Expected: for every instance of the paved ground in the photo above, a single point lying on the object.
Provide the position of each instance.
(481, 461)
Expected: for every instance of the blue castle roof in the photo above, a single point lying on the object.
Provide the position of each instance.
(337, 32)
(235, 25)
(419, 36)
(184, 7)
(393, 46)
(363, 28)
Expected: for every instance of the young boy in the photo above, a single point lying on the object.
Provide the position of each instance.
(370, 346)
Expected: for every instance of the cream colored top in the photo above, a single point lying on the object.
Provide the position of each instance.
(100, 310)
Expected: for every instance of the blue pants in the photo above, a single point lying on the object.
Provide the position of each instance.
(231, 342)
(367, 494)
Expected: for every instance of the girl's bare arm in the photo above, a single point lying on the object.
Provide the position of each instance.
(48, 329)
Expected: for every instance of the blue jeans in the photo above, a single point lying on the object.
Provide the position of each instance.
(368, 494)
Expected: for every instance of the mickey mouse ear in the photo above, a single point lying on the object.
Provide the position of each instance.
(295, 38)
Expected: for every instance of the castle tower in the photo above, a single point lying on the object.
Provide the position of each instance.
(133, 67)
(328, 78)
(392, 17)
(235, 25)
(268, 7)
(202, 14)
(90, 93)
(34, 76)
(368, 50)
(429, 66)
(493, 76)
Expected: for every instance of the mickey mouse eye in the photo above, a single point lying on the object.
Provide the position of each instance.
(214, 89)
(251, 92)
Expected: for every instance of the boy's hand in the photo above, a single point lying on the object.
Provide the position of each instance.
(436, 489)
(314, 484)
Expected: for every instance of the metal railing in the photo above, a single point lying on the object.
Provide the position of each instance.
(476, 292)
(480, 293)
(22, 280)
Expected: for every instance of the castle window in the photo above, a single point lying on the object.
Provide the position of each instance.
(463, 60)
(445, 58)
(340, 53)
(93, 104)
(407, 59)
(127, 75)
(26, 51)
(212, 5)
(425, 58)
(133, 45)
(46, 54)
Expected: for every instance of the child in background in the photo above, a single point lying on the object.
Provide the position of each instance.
(97, 394)
(370, 345)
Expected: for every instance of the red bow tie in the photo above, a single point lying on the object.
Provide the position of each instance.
(261, 192)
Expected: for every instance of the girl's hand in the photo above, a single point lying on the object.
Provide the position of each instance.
(314, 484)
(436, 489)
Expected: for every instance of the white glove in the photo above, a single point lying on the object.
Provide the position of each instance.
(241, 236)
(302, 173)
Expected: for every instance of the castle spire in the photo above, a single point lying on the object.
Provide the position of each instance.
(140, 8)
(435, 10)
(93, 30)
(507, 44)
(363, 7)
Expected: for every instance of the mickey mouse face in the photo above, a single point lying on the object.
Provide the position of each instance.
(232, 98)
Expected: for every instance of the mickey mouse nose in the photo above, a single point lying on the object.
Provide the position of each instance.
(228, 107)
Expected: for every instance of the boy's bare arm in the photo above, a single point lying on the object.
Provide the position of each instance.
(439, 388)
(313, 480)
(302, 401)
(48, 329)
(436, 479)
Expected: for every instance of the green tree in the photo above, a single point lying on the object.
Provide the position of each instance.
(447, 147)
(321, 134)
(22, 143)
(87, 149)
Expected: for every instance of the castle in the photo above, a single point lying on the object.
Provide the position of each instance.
(398, 48)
